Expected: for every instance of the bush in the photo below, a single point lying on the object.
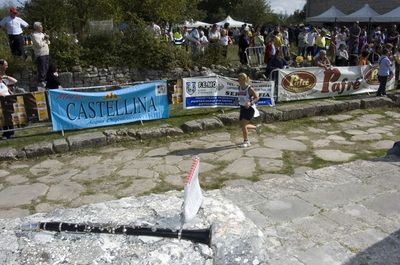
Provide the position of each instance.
(65, 52)
(101, 50)
(213, 54)
(140, 48)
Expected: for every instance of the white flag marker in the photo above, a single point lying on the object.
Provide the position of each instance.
(193, 197)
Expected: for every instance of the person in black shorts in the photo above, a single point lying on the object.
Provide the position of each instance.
(247, 98)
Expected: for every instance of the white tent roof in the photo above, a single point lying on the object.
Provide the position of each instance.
(232, 23)
(391, 16)
(196, 24)
(331, 15)
(365, 14)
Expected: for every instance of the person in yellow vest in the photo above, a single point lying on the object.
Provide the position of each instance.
(178, 38)
(320, 42)
(278, 40)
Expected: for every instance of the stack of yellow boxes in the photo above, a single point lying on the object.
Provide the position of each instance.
(41, 105)
(19, 117)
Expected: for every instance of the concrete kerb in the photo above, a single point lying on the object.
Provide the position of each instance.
(268, 115)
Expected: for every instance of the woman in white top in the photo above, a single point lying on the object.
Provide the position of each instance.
(214, 35)
(247, 97)
(6, 81)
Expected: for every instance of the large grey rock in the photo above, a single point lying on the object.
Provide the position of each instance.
(376, 102)
(325, 107)
(235, 239)
(8, 153)
(293, 112)
(211, 123)
(94, 139)
(169, 130)
(39, 149)
(229, 118)
(192, 126)
(60, 146)
(272, 114)
(354, 104)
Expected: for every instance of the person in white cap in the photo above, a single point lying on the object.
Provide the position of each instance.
(14, 26)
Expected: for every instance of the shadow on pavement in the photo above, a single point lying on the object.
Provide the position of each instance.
(386, 251)
(197, 151)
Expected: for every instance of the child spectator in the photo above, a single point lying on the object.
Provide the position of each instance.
(52, 81)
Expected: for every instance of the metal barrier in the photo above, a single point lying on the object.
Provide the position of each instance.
(255, 55)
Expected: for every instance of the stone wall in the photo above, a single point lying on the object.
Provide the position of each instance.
(316, 7)
(93, 76)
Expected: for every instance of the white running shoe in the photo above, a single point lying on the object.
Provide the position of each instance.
(245, 144)
(258, 129)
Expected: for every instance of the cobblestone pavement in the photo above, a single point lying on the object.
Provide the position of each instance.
(331, 215)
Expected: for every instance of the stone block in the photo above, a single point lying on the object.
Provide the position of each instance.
(395, 98)
(60, 146)
(325, 108)
(66, 79)
(376, 102)
(192, 126)
(272, 115)
(169, 130)
(211, 123)
(149, 133)
(39, 149)
(354, 104)
(292, 112)
(341, 106)
(229, 118)
(77, 142)
(8, 153)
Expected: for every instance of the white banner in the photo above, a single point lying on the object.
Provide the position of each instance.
(193, 197)
(316, 82)
(219, 91)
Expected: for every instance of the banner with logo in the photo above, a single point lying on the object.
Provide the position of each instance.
(219, 91)
(77, 110)
(316, 82)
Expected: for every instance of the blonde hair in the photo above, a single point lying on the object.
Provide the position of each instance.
(244, 77)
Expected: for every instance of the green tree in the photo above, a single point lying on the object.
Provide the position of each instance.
(158, 11)
(217, 10)
(257, 12)
(54, 14)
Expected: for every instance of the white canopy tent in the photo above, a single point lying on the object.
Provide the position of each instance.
(391, 16)
(331, 15)
(196, 24)
(364, 14)
(232, 23)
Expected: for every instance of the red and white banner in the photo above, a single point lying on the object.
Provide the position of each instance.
(316, 82)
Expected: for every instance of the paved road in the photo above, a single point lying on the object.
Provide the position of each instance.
(332, 215)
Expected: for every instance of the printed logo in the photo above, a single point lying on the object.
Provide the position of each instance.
(111, 95)
(299, 82)
(190, 87)
(372, 76)
(161, 90)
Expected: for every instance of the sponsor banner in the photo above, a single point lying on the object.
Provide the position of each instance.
(19, 110)
(77, 110)
(316, 82)
(218, 91)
